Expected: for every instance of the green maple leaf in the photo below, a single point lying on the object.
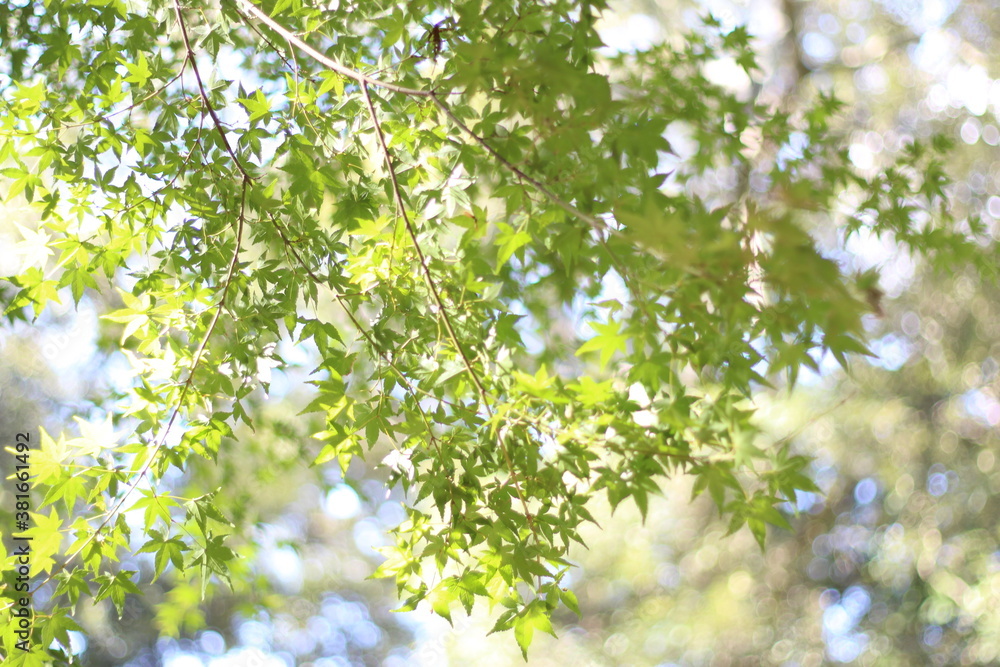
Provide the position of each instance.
(608, 340)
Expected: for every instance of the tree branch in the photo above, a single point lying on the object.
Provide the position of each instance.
(594, 222)
(189, 57)
(439, 302)
(292, 38)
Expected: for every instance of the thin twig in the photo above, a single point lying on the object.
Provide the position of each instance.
(190, 57)
(195, 362)
(246, 19)
(148, 97)
(594, 222)
(187, 159)
(439, 302)
(815, 418)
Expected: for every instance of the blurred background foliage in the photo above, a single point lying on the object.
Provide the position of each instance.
(895, 563)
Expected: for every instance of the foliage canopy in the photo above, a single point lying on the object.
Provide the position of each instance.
(526, 272)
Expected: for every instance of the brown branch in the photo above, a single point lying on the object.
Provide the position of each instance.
(189, 57)
(439, 302)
